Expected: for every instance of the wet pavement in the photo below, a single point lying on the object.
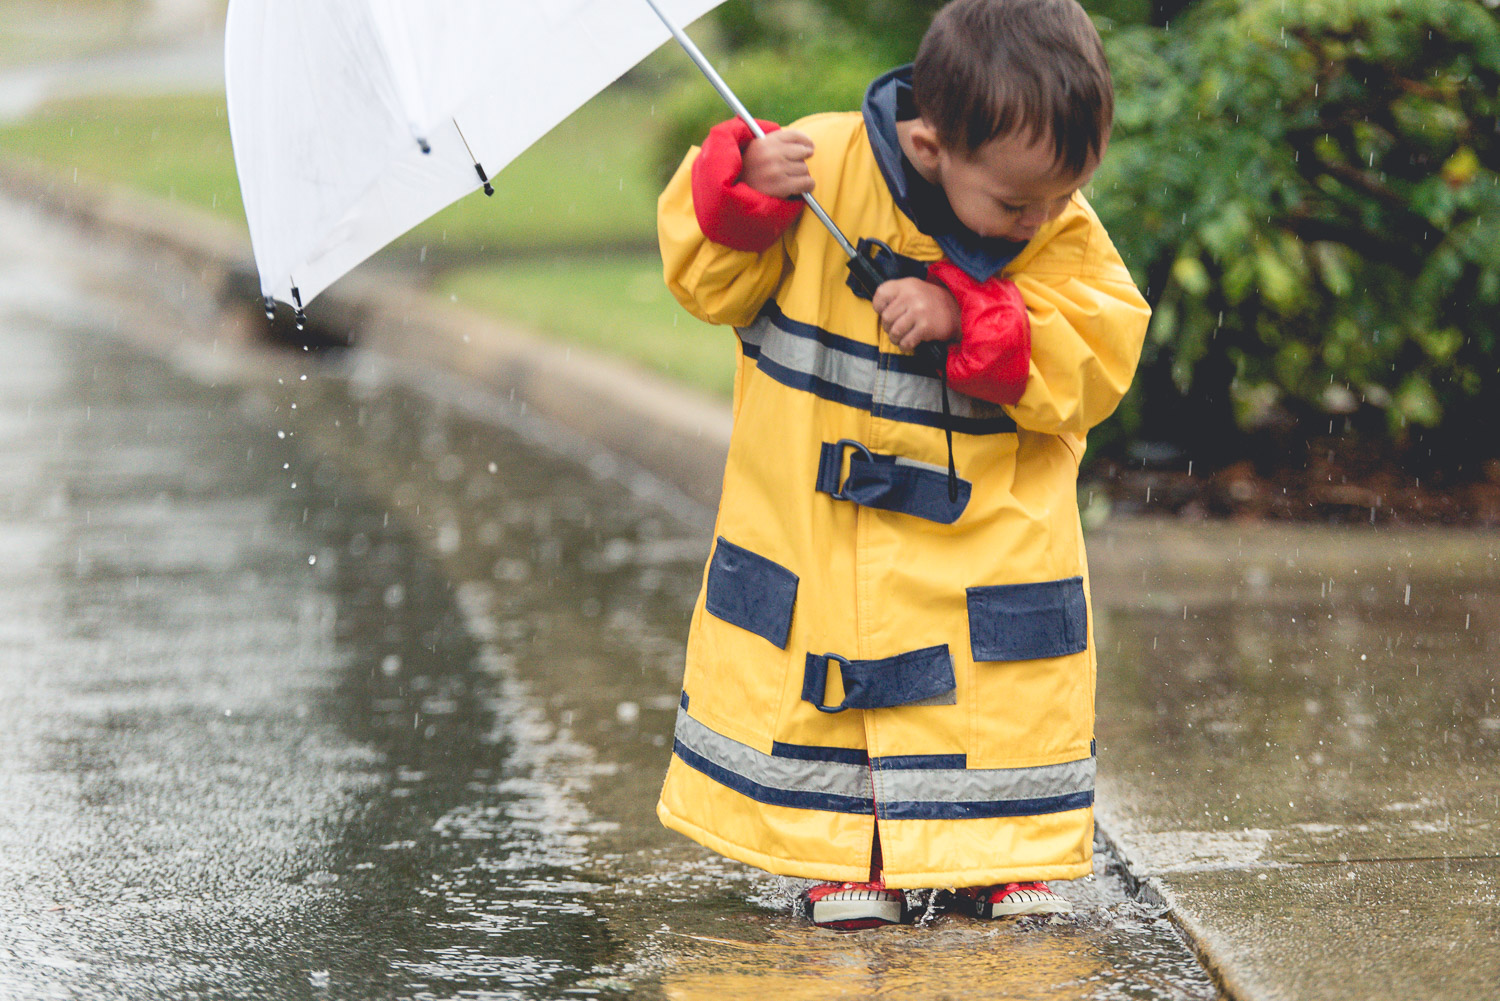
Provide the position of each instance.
(1299, 739)
(329, 679)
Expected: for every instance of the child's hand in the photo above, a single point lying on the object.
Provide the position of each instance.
(777, 164)
(913, 311)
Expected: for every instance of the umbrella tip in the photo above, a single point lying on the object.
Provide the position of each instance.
(270, 305)
(489, 189)
(301, 319)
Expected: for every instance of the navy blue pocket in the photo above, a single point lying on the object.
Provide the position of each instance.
(1028, 621)
(751, 592)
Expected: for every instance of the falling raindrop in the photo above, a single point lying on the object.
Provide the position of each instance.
(311, 559)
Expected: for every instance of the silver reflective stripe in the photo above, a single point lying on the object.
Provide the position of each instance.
(809, 356)
(913, 391)
(830, 778)
(984, 785)
(861, 374)
(931, 467)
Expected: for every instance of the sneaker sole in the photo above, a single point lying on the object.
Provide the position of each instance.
(1040, 907)
(851, 915)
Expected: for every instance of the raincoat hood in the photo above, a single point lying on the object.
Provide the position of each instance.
(888, 101)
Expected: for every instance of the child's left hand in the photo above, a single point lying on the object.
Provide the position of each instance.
(913, 311)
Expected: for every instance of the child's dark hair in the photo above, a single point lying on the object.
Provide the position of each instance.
(987, 68)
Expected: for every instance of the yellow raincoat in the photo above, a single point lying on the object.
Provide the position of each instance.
(955, 637)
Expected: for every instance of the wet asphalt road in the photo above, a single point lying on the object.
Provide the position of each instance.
(323, 680)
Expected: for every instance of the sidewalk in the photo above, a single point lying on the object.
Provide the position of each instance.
(1298, 738)
(1298, 728)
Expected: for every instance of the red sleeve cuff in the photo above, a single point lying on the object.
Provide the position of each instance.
(729, 212)
(992, 358)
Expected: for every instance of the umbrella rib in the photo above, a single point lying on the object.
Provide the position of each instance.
(489, 189)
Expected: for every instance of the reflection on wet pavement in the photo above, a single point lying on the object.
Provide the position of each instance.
(1331, 694)
(360, 685)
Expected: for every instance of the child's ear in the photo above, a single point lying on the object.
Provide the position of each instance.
(924, 145)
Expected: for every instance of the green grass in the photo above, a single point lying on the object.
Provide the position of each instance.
(172, 147)
(587, 183)
(616, 304)
(565, 246)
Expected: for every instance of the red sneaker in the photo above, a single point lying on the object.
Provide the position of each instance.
(1014, 898)
(852, 906)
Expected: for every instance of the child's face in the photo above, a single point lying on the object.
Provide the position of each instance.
(1008, 188)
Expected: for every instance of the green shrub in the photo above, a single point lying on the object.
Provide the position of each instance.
(1308, 189)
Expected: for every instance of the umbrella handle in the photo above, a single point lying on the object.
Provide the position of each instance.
(740, 110)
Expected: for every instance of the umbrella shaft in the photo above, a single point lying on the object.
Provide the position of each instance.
(730, 99)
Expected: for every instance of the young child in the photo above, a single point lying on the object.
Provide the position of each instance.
(890, 671)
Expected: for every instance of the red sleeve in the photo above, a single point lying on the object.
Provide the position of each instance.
(993, 355)
(730, 212)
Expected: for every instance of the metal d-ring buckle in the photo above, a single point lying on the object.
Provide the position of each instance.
(823, 686)
(841, 444)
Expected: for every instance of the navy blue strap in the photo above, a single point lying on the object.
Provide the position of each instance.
(880, 481)
(917, 677)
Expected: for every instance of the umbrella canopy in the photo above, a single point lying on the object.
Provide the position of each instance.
(354, 120)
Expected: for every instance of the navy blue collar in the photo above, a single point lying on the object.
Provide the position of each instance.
(888, 101)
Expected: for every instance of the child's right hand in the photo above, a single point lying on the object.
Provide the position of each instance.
(776, 164)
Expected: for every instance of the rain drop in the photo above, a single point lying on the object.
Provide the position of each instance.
(311, 559)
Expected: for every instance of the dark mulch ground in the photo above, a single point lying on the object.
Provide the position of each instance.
(1327, 481)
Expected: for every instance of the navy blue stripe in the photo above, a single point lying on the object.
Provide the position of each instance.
(920, 761)
(818, 387)
(684, 700)
(765, 794)
(812, 752)
(751, 350)
(921, 810)
(859, 349)
(1000, 424)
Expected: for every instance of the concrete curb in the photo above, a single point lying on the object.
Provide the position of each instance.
(1154, 892)
(670, 430)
